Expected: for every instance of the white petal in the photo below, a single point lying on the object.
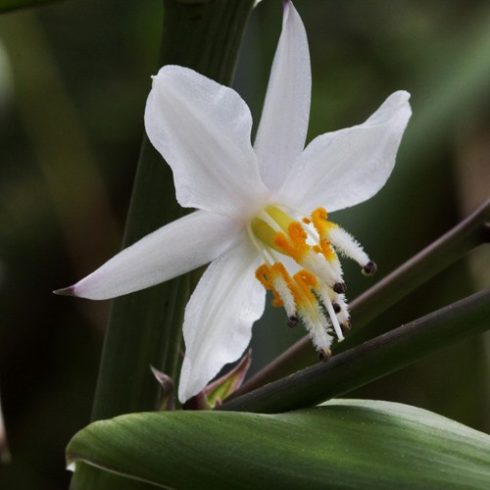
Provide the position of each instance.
(340, 169)
(168, 252)
(282, 130)
(202, 129)
(219, 317)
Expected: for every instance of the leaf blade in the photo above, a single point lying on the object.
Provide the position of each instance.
(342, 444)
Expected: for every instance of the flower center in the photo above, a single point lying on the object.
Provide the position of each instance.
(302, 270)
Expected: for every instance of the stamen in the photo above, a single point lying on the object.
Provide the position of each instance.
(276, 279)
(370, 268)
(311, 313)
(281, 282)
(343, 315)
(315, 294)
(294, 244)
(323, 269)
(264, 275)
(331, 312)
(340, 287)
(347, 245)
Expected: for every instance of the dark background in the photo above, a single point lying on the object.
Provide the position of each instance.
(73, 82)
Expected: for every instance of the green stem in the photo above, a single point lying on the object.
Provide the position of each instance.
(145, 327)
(455, 244)
(371, 360)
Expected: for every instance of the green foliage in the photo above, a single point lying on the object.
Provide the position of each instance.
(345, 444)
(7, 5)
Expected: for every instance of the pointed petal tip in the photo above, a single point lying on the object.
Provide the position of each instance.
(401, 96)
(183, 395)
(69, 291)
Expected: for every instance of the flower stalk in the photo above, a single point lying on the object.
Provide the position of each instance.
(367, 362)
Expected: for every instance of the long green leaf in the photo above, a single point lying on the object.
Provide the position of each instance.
(345, 444)
(94, 478)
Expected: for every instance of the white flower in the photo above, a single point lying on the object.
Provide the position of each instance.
(261, 208)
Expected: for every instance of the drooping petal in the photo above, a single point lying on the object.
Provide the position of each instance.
(343, 168)
(202, 129)
(282, 130)
(168, 252)
(219, 317)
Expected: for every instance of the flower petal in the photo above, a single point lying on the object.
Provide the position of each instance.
(202, 129)
(219, 317)
(282, 130)
(168, 252)
(340, 169)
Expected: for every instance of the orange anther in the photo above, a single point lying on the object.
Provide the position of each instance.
(319, 218)
(281, 241)
(264, 276)
(327, 249)
(305, 280)
(297, 233)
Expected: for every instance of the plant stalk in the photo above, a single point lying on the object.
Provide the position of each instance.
(371, 360)
(145, 327)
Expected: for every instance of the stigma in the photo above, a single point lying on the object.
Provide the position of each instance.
(302, 270)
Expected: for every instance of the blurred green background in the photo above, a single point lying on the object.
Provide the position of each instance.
(73, 81)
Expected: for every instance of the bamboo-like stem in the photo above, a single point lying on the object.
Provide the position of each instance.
(145, 327)
(370, 360)
(456, 243)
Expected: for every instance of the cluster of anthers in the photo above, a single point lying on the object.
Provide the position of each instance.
(309, 287)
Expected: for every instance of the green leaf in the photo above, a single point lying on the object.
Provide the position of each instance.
(7, 5)
(92, 477)
(344, 444)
